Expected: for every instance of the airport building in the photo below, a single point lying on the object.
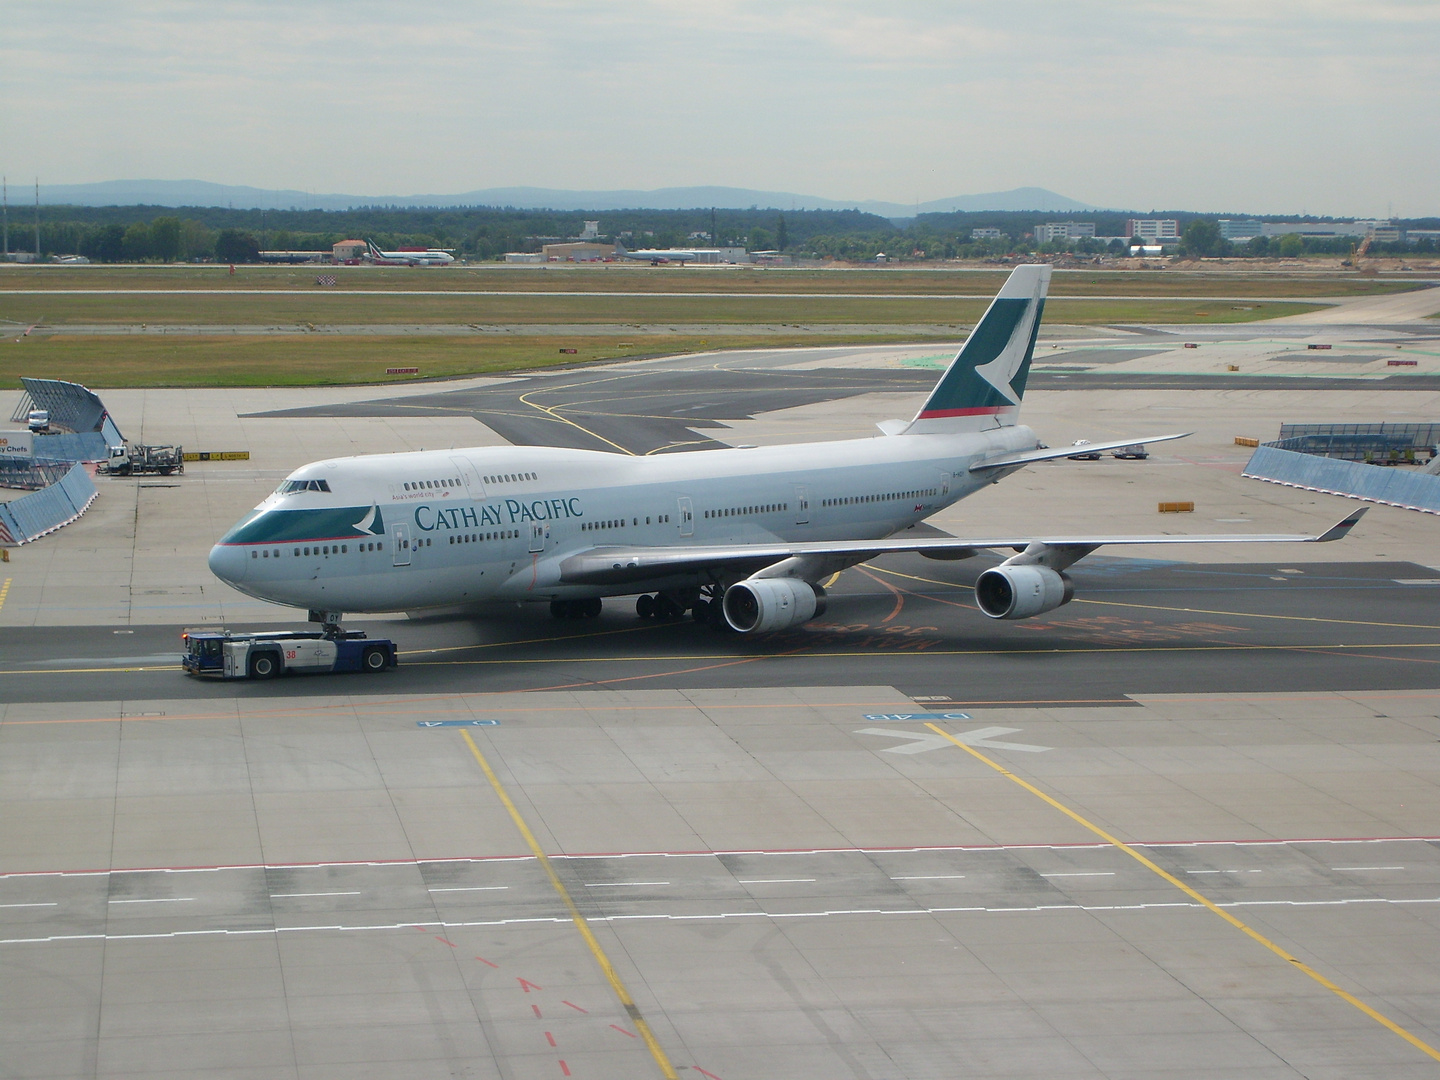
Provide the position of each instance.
(1153, 230)
(348, 250)
(986, 234)
(1239, 229)
(1064, 230)
(578, 251)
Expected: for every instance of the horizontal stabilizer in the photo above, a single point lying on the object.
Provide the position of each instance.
(1007, 461)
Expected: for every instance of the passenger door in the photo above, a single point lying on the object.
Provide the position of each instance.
(400, 543)
(802, 505)
(537, 537)
(687, 516)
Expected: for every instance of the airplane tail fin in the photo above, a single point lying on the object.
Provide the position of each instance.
(372, 249)
(983, 385)
(620, 247)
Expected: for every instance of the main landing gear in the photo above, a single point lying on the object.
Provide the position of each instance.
(703, 605)
(575, 609)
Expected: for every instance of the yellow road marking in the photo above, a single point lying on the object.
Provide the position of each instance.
(1244, 928)
(4, 591)
(1186, 610)
(550, 412)
(1254, 615)
(1078, 650)
(611, 975)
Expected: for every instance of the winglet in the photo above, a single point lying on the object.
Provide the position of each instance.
(1339, 531)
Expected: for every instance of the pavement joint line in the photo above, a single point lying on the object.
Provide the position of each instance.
(1084, 845)
(4, 591)
(661, 1059)
(1205, 902)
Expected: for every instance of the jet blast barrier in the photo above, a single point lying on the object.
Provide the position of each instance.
(32, 516)
(72, 408)
(1374, 483)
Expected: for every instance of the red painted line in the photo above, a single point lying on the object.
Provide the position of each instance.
(935, 414)
(550, 1037)
(622, 1031)
(702, 1072)
(536, 1009)
(565, 1069)
(484, 961)
(444, 942)
(577, 1008)
(526, 984)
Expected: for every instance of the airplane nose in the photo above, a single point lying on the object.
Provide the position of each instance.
(228, 563)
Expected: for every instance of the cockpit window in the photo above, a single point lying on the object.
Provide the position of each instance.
(291, 486)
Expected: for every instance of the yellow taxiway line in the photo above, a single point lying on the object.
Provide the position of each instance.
(1244, 928)
(631, 1010)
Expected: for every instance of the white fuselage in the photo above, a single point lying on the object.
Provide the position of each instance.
(441, 528)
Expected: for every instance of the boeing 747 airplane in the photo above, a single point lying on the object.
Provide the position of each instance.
(740, 537)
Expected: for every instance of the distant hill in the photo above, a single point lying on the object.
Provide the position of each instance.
(203, 193)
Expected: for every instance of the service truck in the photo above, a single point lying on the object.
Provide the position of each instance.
(231, 654)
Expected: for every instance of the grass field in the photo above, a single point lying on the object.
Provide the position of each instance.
(333, 359)
(355, 309)
(631, 302)
(647, 279)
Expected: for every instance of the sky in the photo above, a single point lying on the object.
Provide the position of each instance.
(1248, 106)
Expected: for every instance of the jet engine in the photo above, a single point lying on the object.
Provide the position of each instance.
(1018, 592)
(757, 605)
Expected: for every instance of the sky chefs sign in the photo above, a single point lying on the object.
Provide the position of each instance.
(16, 444)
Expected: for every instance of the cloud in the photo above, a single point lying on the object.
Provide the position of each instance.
(1154, 103)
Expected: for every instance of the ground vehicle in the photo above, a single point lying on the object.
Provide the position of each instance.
(238, 655)
(1136, 451)
(1084, 455)
(135, 460)
(38, 420)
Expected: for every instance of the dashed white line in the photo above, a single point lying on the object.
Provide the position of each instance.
(155, 900)
(1084, 873)
(776, 880)
(1224, 871)
(621, 884)
(289, 895)
(51, 904)
(929, 877)
(1367, 868)
(472, 888)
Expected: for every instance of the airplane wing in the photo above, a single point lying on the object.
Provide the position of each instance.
(1007, 461)
(617, 565)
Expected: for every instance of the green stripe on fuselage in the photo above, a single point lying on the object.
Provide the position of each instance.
(292, 526)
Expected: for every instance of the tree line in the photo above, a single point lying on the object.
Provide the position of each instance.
(155, 234)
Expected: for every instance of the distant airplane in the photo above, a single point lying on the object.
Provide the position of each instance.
(430, 257)
(740, 537)
(656, 256)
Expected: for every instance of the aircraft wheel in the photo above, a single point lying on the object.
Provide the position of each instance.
(645, 606)
(701, 612)
(590, 609)
(667, 610)
(560, 609)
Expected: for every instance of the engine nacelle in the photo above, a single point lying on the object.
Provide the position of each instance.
(1018, 592)
(758, 605)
